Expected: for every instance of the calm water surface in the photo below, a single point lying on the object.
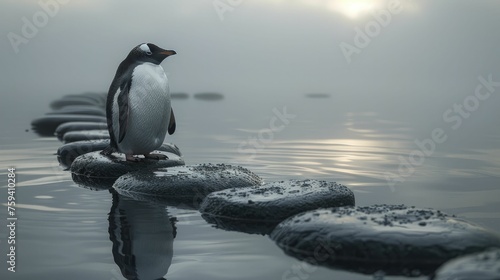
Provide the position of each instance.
(68, 232)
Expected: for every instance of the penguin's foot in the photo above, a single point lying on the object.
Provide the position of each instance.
(155, 156)
(132, 158)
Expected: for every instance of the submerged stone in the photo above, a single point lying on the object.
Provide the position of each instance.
(209, 96)
(395, 239)
(184, 185)
(67, 153)
(46, 126)
(258, 209)
(479, 266)
(179, 95)
(94, 169)
(85, 135)
(78, 126)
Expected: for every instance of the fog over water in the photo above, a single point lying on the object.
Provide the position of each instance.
(426, 59)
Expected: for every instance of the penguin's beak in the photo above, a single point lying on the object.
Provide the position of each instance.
(168, 53)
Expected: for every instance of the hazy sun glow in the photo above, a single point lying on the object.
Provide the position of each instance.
(354, 8)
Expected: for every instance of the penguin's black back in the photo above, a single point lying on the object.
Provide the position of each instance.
(123, 77)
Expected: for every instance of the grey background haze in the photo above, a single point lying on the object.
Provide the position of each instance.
(424, 61)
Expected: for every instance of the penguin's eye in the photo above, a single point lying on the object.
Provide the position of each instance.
(149, 53)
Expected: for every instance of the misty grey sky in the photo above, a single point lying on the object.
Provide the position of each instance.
(427, 58)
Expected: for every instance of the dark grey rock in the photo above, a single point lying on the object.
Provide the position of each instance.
(184, 185)
(46, 126)
(209, 96)
(96, 170)
(396, 239)
(179, 95)
(75, 100)
(78, 126)
(479, 266)
(85, 135)
(67, 153)
(79, 110)
(239, 209)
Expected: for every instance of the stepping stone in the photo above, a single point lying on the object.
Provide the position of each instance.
(395, 239)
(479, 266)
(85, 135)
(259, 209)
(96, 170)
(184, 186)
(79, 110)
(93, 99)
(67, 153)
(75, 100)
(46, 126)
(78, 126)
(209, 96)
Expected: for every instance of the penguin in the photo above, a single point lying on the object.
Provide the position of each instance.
(138, 109)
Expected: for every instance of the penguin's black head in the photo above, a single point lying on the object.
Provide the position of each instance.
(148, 52)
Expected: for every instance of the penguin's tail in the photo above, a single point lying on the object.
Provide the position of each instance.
(108, 151)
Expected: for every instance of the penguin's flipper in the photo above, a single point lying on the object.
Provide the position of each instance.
(171, 124)
(123, 111)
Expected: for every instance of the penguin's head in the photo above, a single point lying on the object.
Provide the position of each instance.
(148, 52)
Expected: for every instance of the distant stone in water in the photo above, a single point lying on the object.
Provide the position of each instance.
(46, 126)
(209, 96)
(67, 153)
(96, 170)
(259, 209)
(318, 95)
(74, 136)
(184, 186)
(80, 99)
(395, 239)
(78, 126)
(179, 95)
(479, 266)
(79, 110)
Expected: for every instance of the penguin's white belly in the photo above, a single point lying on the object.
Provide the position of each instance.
(149, 111)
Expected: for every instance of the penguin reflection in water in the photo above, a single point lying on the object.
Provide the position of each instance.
(138, 105)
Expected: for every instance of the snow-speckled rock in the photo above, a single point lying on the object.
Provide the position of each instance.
(186, 185)
(258, 209)
(396, 239)
(479, 266)
(67, 153)
(96, 170)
